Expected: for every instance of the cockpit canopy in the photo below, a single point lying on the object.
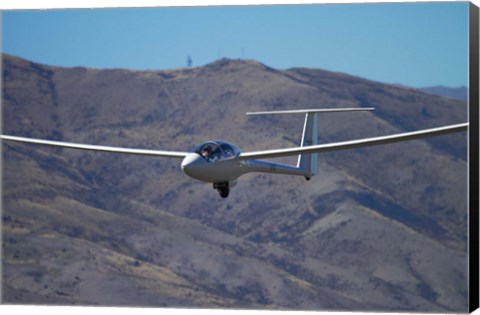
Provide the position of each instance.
(214, 151)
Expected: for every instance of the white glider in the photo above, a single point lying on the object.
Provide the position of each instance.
(221, 163)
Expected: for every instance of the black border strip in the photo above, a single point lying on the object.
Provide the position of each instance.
(473, 161)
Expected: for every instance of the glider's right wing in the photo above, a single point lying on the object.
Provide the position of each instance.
(171, 154)
(354, 143)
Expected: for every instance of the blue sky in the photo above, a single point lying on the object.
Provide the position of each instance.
(415, 44)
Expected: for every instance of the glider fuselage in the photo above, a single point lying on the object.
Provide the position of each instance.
(220, 162)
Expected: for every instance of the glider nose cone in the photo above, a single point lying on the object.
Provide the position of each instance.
(194, 165)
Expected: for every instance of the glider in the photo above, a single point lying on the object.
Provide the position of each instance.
(221, 163)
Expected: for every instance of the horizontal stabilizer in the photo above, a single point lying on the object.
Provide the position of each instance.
(318, 110)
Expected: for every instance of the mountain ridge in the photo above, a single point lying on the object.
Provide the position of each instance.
(458, 93)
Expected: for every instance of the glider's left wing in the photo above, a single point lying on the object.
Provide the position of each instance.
(354, 143)
(171, 154)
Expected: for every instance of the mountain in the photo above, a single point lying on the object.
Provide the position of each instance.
(379, 229)
(459, 93)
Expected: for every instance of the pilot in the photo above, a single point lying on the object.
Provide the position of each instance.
(207, 152)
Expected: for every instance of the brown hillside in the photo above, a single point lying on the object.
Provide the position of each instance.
(381, 228)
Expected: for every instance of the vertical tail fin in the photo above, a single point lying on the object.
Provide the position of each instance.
(308, 162)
